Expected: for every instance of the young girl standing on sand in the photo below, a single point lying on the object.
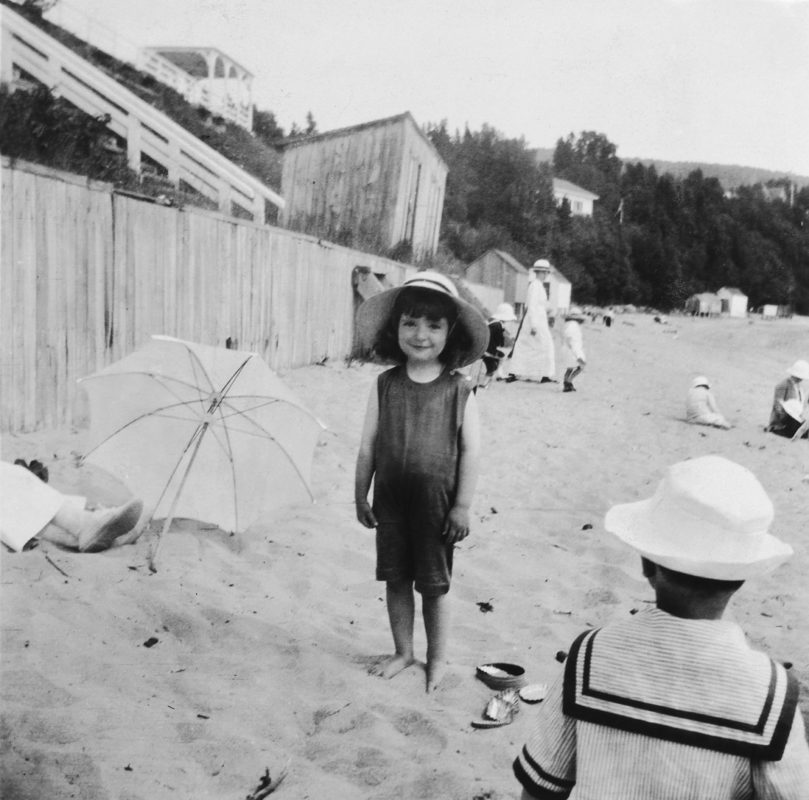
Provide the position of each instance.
(420, 446)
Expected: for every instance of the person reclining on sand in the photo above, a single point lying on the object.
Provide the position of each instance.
(672, 703)
(700, 405)
(788, 394)
(31, 508)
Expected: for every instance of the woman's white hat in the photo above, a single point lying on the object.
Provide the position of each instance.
(574, 312)
(794, 408)
(375, 312)
(800, 369)
(700, 380)
(505, 313)
(709, 517)
(542, 265)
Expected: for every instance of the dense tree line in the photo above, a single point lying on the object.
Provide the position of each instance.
(652, 240)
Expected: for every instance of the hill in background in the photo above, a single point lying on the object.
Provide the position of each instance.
(729, 175)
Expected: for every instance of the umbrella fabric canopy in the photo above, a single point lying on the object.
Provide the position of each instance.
(201, 432)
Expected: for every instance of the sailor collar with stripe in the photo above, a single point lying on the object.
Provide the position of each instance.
(695, 682)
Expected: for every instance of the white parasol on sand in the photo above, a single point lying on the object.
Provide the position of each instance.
(201, 432)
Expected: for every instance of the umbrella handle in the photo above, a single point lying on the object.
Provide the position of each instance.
(170, 517)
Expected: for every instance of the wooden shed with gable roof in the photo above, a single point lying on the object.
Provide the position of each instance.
(501, 270)
(376, 185)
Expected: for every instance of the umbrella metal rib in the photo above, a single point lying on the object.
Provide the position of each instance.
(216, 400)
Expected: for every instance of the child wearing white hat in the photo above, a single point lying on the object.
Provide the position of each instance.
(672, 703)
(499, 339)
(701, 407)
(574, 357)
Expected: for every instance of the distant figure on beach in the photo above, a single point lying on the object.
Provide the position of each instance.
(701, 407)
(574, 348)
(534, 356)
(790, 397)
(420, 446)
(31, 509)
(500, 338)
(672, 702)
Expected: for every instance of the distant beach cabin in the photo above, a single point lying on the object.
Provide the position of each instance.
(379, 184)
(498, 269)
(705, 304)
(734, 301)
(580, 200)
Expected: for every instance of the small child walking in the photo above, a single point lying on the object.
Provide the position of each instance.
(420, 447)
(574, 348)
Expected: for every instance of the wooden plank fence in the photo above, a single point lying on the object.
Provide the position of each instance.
(88, 274)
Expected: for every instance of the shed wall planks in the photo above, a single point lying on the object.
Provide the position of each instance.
(88, 275)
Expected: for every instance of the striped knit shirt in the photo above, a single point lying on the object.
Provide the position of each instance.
(661, 708)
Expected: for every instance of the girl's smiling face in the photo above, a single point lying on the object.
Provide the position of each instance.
(421, 339)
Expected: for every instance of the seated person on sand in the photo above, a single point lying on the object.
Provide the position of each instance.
(789, 397)
(30, 508)
(700, 405)
(500, 338)
(672, 703)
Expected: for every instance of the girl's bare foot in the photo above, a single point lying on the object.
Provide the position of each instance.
(393, 665)
(435, 672)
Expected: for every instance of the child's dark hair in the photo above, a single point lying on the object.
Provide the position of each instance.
(692, 583)
(416, 301)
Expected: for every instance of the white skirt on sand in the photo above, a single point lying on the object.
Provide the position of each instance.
(27, 505)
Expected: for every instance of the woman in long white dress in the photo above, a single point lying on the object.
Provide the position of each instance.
(534, 355)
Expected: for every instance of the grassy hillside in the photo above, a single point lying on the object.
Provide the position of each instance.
(232, 141)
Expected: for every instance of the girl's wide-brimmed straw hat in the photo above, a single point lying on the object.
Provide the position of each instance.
(574, 312)
(709, 517)
(375, 312)
(700, 380)
(800, 369)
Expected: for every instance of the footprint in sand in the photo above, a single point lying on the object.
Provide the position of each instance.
(415, 725)
(30, 689)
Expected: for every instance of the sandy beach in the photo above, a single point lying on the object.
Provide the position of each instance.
(264, 638)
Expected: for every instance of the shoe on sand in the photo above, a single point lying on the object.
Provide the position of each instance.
(105, 526)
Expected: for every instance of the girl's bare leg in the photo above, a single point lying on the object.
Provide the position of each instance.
(401, 611)
(436, 623)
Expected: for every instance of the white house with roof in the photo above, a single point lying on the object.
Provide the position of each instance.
(204, 76)
(580, 200)
(734, 301)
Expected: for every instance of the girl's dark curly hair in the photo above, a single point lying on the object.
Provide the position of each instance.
(416, 301)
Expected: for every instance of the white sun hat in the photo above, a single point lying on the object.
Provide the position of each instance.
(700, 380)
(375, 312)
(505, 313)
(709, 517)
(800, 369)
